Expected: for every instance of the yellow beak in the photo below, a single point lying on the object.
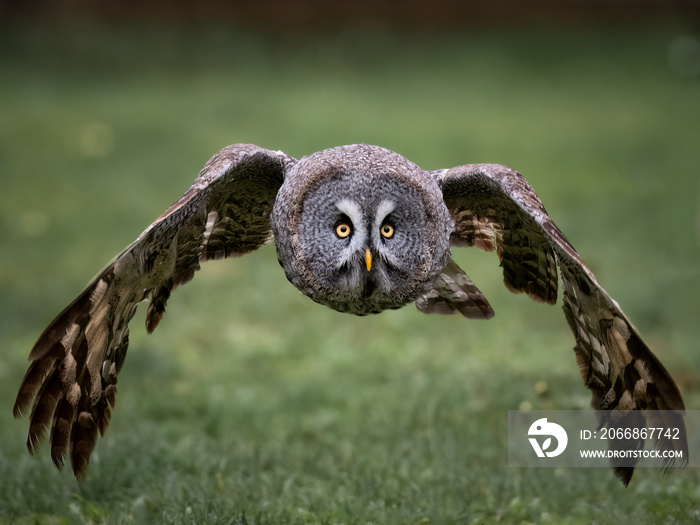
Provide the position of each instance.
(368, 259)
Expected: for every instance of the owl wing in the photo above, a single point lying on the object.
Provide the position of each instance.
(452, 292)
(71, 381)
(496, 209)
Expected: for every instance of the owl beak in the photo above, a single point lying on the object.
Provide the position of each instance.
(368, 259)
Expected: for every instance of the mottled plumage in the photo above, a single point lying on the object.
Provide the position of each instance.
(360, 229)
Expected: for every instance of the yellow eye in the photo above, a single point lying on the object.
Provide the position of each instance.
(387, 231)
(343, 230)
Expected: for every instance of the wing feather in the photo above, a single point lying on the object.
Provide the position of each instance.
(454, 292)
(494, 207)
(71, 381)
(486, 216)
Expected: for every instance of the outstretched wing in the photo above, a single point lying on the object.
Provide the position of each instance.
(494, 208)
(71, 382)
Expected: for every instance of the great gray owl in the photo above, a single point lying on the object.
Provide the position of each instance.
(357, 228)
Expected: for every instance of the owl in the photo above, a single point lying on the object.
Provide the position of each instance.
(357, 228)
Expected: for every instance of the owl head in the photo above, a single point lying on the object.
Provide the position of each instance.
(358, 229)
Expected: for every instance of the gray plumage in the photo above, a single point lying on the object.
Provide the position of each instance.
(359, 229)
(366, 187)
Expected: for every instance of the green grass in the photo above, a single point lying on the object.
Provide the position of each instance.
(251, 404)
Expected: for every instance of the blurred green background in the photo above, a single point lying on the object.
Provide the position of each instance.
(251, 404)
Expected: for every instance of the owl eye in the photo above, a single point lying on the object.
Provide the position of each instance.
(343, 230)
(387, 231)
